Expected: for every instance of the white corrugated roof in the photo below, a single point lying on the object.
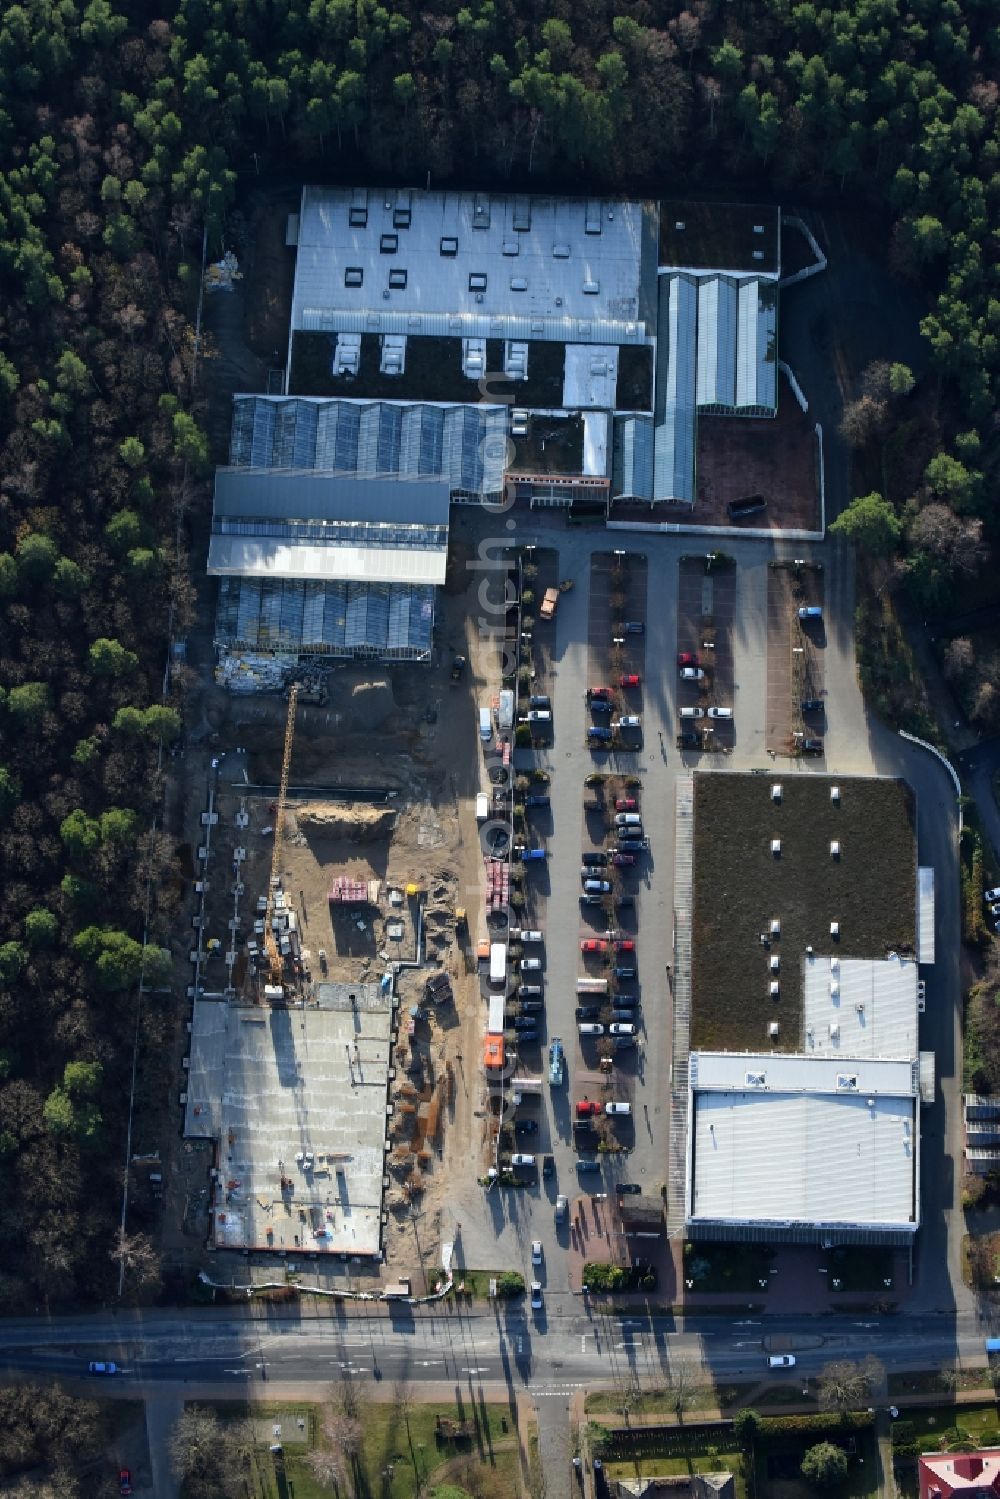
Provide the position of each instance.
(802, 1157)
(255, 556)
(885, 1025)
(476, 257)
(793, 1072)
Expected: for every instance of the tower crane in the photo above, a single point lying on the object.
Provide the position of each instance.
(275, 962)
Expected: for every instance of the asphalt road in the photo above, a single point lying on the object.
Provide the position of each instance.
(578, 1346)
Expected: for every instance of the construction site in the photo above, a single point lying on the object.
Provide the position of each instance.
(333, 968)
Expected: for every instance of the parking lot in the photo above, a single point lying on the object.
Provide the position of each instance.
(795, 660)
(706, 595)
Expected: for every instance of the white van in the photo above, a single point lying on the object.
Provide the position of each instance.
(482, 806)
(485, 725)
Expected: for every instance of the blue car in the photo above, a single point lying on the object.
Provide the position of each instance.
(585, 1163)
(536, 801)
(529, 855)
(599, 735)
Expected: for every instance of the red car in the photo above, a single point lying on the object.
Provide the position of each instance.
(625, 804)
(587, 1106)
(623, 859)
(124, 1482)
(593, 944)
(688, 658)
(624, 944)
(630, 679)
(604, 693)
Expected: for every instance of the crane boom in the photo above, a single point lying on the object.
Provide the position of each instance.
(274, 958)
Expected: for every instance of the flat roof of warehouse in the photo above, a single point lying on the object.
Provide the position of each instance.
(315, 494)
(802, 1139)
(480, 264)
(268, 1085)
(868, 887)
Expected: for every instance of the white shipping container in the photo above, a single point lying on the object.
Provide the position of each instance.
(482, 806)
(498, 963)
(495, 1023)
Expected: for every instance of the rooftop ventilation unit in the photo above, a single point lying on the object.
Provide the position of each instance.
(773, 1029)
(835, 1030)
(834, 965)
(758, 254)
(775, 963)
(756, 1080)
(834, 849)
(871, 1103)
(758, 228)
(835, 930)
(860, 1009)
(834, 988)
(835, 793)
(776, 792)
(679, 224)
(775, 926)
(847, 1080)
(776, 847)
(774, 989)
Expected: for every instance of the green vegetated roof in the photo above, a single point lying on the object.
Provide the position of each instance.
(740, 886)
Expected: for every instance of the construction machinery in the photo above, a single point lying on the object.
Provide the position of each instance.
(275, 962)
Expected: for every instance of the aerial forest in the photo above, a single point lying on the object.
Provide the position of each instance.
(130, 134)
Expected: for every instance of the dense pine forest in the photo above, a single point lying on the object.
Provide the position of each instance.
(126, 131)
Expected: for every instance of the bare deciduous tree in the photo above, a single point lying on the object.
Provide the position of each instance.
(956, 541)
(844, 1385)
(959, 658)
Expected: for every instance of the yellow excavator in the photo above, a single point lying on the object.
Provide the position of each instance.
(275, 962)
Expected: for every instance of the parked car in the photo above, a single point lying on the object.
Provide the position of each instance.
(627, 1189)
(622, 859)
(530, 965)
(811, 705)
(621, 1028)
(811, 746)
(539, 700)
(781, 1361)
(124, 1482)
(596, 693)
(993, 894)
(590, 900)
(587, 1163)
(633, 836)
(593, 945)
(538, 799)
(521, 1159)
(588, 1012)
(538, 715)
(624, 944)
(688, 739)
(529, 991)
(688, 658)
(807, 612)
(692, 674)
(548, 1165)
(626, 804)
(526, 1023)
(625, 902)
(633, 627)
(629, 679)
(601, 705)
(692, 713)
(536, 1251)
(626, 973)
(595, 887)
(626, 1002)
(628, 820)
(562, 1209)
(525, 1126)
(585, 1106)
(720, 713)
(618, 1108)
(536, 1296)
(596, 857)
(102, 1368)
(457, 667)
(531, 1006)
(598, 735)
(628, 721)
(588, 1028)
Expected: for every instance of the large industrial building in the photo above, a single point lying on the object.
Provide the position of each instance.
(805, 1079)
(474, 346)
